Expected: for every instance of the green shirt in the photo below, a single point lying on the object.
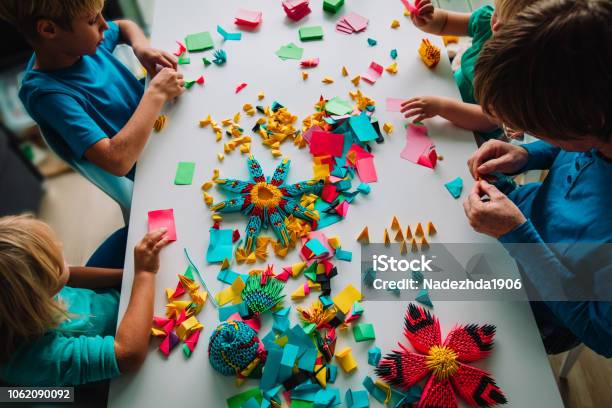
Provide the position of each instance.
(479, 28)
(80, 350)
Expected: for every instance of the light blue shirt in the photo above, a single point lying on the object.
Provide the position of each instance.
(571, 207)
(79, 351)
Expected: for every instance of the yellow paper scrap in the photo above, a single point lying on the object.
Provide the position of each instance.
(231, 293)
(347, 297)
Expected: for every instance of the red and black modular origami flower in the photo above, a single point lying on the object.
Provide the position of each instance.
(444, 361)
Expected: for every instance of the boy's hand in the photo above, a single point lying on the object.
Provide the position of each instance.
(423, 107)
(169, 83)
(426, 19)
(495, 217)
(150, 58)
(146, 252)
(497, 156)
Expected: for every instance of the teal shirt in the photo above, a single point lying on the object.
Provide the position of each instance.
(479, 28)
(79, 351)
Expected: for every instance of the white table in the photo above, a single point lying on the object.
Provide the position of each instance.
(412, 192)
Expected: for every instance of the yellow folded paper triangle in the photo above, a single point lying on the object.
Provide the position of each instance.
(388, 128)
(169, 293)
(321, 375)
(386, 239)
(356, 80)
(334, 242)
(408, 233)
(240, 255)
(158, 332)
(431, 229)
(298, 293)
(304, 75)
(399, 236)
(207, 185)
(392, 69)
(328, 80)
(261, 95)
(188, 327)
(225, 264)
(220, 156)
(206, 122)
(418, 232)
(364, 237)
(297, 268)
(251, 258)
(344, 71)
(395, 225)
(413, 246)
(346, 360)
(208, 199)
(395, 24)
(424, 244)
(403, 248)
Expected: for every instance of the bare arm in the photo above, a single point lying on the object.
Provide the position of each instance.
(439, 21)
(465, 115)
(133, 334)
(93, 278)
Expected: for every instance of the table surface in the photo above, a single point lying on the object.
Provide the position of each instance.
(413, 193)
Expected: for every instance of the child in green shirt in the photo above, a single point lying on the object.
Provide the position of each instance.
(480, 25)
(59, 335)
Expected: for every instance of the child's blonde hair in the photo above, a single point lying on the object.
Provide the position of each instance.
(31, 263)
(25, 14)
(507, 9)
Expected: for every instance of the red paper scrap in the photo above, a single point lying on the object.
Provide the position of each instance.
(366, 170)
(240, 87)
(373, 73)
(326, 144)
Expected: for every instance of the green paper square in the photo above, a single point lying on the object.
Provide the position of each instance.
(199, 42)
(184, 173)
(364, 332)
(311, 33)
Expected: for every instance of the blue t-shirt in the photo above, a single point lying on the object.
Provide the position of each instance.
(569, 229)
(79, 351)
(78, 106)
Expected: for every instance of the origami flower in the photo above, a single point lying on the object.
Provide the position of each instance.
(267, 201)
(444, 361)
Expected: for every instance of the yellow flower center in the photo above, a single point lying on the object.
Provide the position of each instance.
(442, 362)
(265, 195)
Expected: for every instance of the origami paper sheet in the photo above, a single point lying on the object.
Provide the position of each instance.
(290, 51)
(184, 173)
(326, 144)
(356, 399)
(338, 106)
(366, 170)
(311, 33)
(228, 36)
(363, 128)
(444, 362)
(231, 293)
(394, 104)
(417, 142)
(199, 42)
(220, 246)
(373, 73)
(356, 22)
(163, 219)
(345, 299)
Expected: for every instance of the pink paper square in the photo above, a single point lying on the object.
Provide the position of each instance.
(366, 170)
(163, 219)
(394, 104)
(373, 73)
(417, 142)
(356, 21)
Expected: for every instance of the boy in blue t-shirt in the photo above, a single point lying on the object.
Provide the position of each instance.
(87, 104)
(558, 231)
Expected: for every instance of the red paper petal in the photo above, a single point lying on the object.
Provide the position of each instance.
(421, 328)
(438, 394)
(476, 387)
(471, 342)
(240, 87)
(402, 368)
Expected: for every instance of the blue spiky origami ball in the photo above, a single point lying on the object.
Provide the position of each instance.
(233, 346)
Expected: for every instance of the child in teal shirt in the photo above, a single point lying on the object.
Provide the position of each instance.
(59, 335)
(481, 26)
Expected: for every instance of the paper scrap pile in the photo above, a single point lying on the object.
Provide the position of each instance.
(296, 9)
(351, 23)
